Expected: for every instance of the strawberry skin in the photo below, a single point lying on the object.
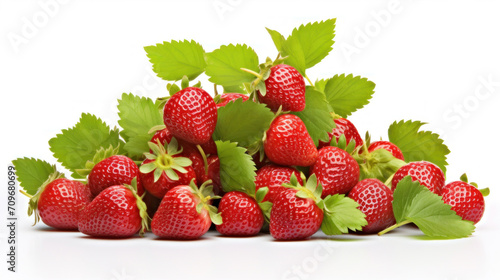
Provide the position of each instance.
(465, 199)
(273, 176)
(241, 215)
(294, 218)
(230, 97)
(115, 170)
(336, 170)
(61, 201)
(375, 201)
(287, 142)
(426, 173)
(393, 149)
(177, 218)
(346, 127)
(191, 115)
(113, 213)
(285, 87)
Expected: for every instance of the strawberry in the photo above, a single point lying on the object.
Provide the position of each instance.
(165, 169)
(58, 202)
(287, 142)
(230, 97)
(191, 115)
(285, 87)
(274, 176)
(114, 170)
(465, 199)
(214, 174)
(185, 212)
(375, 201)
(393, 149)
(336, 170)
(117, 212)
(426, 173)
(346, 127)
(241, 215)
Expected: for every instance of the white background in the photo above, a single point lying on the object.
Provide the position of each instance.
(429, 59)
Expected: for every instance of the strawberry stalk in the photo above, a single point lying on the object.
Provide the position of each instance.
(393, 227)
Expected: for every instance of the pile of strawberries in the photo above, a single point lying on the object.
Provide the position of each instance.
(176, 190)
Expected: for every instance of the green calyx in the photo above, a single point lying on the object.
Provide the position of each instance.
(484, 192)
(100, 154)
(259, 83)
(265, 206)
(33, 202)
(141, 205)
(205, 194)
(379, 164)
(164, 160)
(311, 189)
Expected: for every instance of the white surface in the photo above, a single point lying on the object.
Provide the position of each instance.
(427, 60)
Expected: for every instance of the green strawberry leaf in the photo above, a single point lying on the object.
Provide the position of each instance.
(32, 173)
(417, 204)
(175, 59)
(237, 169)
(316, 116)
(137, 116)
(418, 145)
(224, 65)
(255, 118)
(346, 94)
(341, 214)
(75, 146)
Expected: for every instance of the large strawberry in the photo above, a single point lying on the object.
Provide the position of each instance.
(230, 97)
(274, 176)
(58, 202)
(375, 201)
(241, 215)
(117, 212)
(465, 199)
(393, 149)
(426, 173)
(185, 212)
(114, 170)
(346, 128)
(285, 87)
(191, 115)
(165, 169)
(287, 142)
(336, 170)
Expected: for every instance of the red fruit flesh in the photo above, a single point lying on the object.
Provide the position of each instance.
(230, 97)
(375, 201)
(273, 177)
(465, 199)
(241, 215)
(336, 170)
(426, 173)
(393, 149)
(346, 127)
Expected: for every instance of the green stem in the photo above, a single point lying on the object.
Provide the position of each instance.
(308, 80)
(259, 76)
(393, 227)
(204, 156)
(26, 194)
(389, 181)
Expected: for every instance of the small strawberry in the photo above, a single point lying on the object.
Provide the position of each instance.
(274, 176)
(375, 201)
(426, 173)
(336, 170)
(465, 199)
(285, 87)
(165, 169)
(191, 115)
(287, 142)
(345, 127)
(230, 97)
(58, 202)
(185, 212)
(114, 170)
(241, 215)
(214, 174)
(117, 212)
(393, 149)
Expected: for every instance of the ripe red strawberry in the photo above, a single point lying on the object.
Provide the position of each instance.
(230, 97)
(465, 199)
(58, 202)
(336, 170)
(285, 87)
(426, 173)
(287, 142)
(274, 176)
(165, 169)
(214, 175)
(117, 212)
(346, 127)
(375, 201)
(185, 213)
(393, 149)
(241, 215)
(114, 170)
(191, 115)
